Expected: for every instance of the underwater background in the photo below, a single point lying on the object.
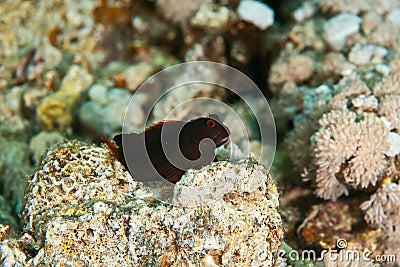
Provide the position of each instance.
(330, 70)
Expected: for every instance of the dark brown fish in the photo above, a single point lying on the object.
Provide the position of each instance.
(21, 71)
(168, 148)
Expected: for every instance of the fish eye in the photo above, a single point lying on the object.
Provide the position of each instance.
(210, 123)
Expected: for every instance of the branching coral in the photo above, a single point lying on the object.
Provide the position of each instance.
(329, 162)
(390, 109)
(354, 147)
(389, 85)
(383, 207)
(369, 161)
(350, 152)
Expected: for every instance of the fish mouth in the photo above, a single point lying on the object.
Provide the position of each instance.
(222, 141)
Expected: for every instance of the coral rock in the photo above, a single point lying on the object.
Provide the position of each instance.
(11, 123)
(84, 209)
(394, 16)
(181, 11)
(305, 11)
(213, 18)
(111, 105)
(326, 223)
(363, 54)
(11, 254)
(56, 110)
(135, 75)
(290, 68)
(14, 166)
(41, 142)
(339, 27)
(256, 13)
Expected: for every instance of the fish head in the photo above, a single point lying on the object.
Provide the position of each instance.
(210, 127)
(218, 131)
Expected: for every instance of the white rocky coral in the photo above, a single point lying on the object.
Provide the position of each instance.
(105, 219)
(72, 174)
(349, 153)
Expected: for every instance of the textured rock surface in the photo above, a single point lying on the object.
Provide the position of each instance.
(11, 254)
(83, 209)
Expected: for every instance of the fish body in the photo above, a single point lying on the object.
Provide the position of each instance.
(168, 148)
